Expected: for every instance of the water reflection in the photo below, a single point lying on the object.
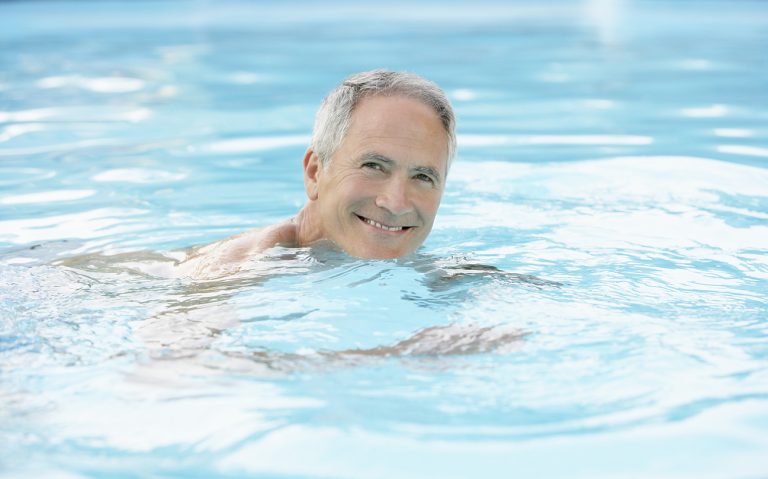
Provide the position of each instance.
(190, 316)
(47, 197)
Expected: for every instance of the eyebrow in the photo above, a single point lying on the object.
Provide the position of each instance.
(427, 170)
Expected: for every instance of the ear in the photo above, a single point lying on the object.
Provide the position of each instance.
(312, 171)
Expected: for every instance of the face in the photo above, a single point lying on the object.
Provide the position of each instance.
(379, 194)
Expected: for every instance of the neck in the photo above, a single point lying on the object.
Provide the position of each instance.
(307, 221)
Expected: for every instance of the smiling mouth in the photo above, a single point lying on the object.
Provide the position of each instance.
(376, 224)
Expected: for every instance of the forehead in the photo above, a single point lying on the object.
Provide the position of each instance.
(397, 125)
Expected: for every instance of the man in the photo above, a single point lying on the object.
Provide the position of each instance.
(374, 174)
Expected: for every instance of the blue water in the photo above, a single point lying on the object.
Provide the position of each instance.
(591, 302)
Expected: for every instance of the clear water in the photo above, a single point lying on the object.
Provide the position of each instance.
(613, 168)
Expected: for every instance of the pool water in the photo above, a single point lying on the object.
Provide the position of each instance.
(591, 302)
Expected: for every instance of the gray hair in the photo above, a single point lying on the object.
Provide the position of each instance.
(335, 114)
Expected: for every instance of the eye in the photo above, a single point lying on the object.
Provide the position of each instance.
(373, 166)
(424, 178)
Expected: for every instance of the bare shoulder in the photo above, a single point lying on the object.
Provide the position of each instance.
(227, 255)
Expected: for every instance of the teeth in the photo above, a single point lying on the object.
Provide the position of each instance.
(384, 227)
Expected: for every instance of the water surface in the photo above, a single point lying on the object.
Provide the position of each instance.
(591, 302)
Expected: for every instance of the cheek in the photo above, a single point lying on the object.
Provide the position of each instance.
(430, 203)
(347, 194)
(350, 183)
(336, 185)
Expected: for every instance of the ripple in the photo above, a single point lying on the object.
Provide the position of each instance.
(739, 450)
(712, 111)
(16, 176)
(607, 140)
(99, 113)
(617, 179)
(696, 64)
(251, 144)
(246, 78)
(743, 150)
(12, 131)
(138, 175)
(28, 115)
(59, 147)
(94, 84)
(464, 94)
(656, 229)
(47, 197)
(87, 224)
(169, 418)
(734, 132)
(630, 203)
(599, 104)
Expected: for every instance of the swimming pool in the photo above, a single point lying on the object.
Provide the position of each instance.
(591, 302)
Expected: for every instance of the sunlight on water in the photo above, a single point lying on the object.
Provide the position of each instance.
(743, 150)
(138, 175)
(48, 196)
(495, 140)
(247, 145)
(99, 85)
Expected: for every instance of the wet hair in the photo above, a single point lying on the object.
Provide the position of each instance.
(335, 114)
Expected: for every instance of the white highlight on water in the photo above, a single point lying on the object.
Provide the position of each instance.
(463, 94)
(734, 132)
(608, 140)
(85, 225)
(93, 113)
(12, 131)
(246, 78)
(260, 143)
(712, 111)
(94, 84)
(47, 197)
(743, 150)
(138, 175)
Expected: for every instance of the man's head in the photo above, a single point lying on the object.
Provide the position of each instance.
(376, 170)
(335, 114)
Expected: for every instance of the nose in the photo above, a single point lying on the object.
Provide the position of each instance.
(394, 197)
